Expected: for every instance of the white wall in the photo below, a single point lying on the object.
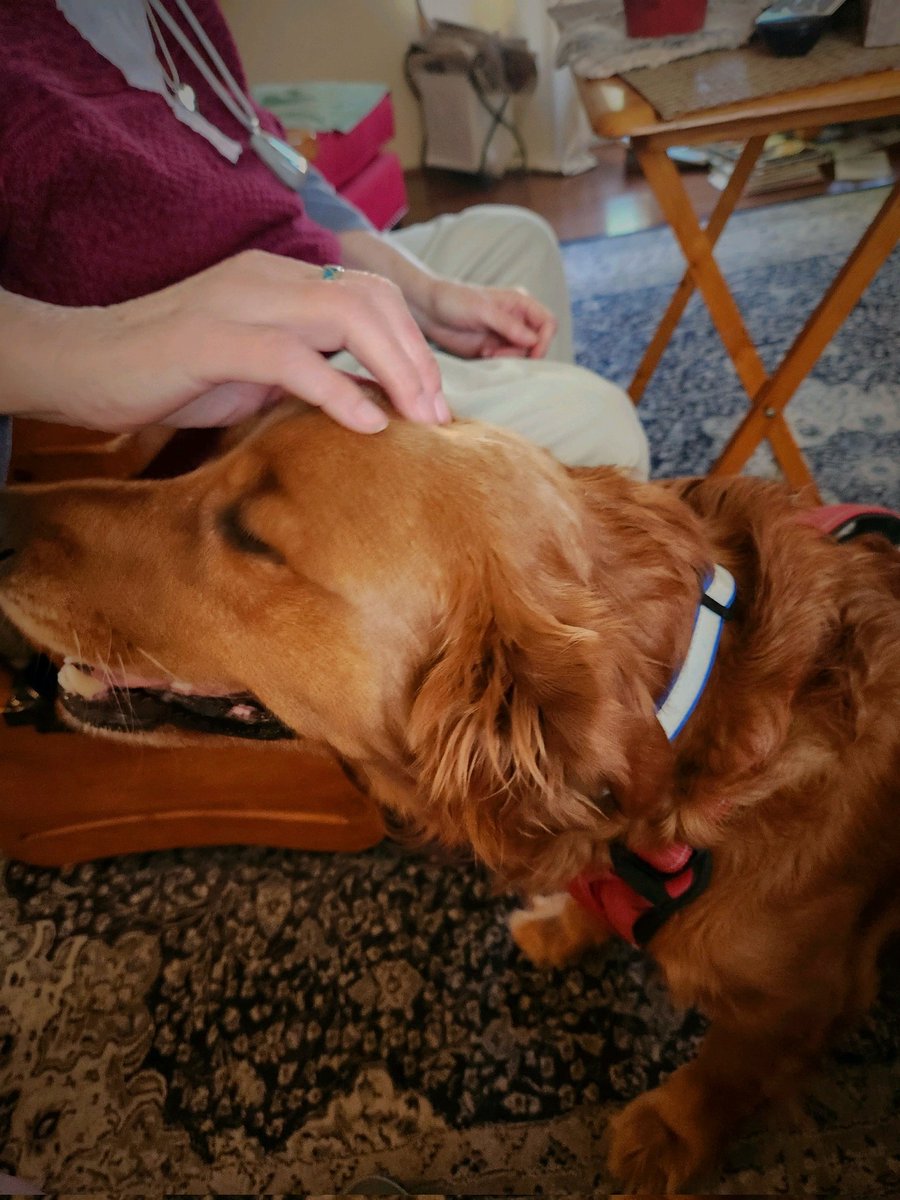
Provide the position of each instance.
(486, 14)
(284, 41)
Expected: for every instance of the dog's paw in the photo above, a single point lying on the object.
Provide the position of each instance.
(536, 930)
(652, 1150)
(553, 930)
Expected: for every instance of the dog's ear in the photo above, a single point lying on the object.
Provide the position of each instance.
(531, 739)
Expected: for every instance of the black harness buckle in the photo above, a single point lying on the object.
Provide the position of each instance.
(650, 883)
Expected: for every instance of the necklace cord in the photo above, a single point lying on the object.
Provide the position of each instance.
(217, 59)
(244, 114)
(173, 79)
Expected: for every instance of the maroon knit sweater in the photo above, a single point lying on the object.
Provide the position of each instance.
(104, 194)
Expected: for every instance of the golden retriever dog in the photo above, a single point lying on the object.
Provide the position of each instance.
(485, 636)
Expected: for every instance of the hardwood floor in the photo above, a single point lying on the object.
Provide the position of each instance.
(613, 199)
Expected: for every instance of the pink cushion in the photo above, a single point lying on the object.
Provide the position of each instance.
(340, 156)
(379, 190)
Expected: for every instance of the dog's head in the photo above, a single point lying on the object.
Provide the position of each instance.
(427, 603)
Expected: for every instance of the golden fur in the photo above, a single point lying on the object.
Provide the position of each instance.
(481, 634)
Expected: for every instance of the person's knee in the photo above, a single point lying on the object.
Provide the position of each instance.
(520, 229)
(594, 424)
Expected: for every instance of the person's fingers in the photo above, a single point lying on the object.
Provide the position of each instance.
(412, 340)
(546, 334)
(539, 319)
(337, 395)
(500, 317)
(508, 319)
(388, 343)
(275, 357)
(363, 313)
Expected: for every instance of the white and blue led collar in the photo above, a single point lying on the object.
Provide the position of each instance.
(687, 687)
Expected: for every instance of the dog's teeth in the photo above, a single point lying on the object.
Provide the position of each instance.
(181, 688)
(73, 679)
(242, 712)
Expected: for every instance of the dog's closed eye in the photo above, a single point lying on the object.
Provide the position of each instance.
(237, 535)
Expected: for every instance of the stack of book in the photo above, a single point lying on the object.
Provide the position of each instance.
(786, 162)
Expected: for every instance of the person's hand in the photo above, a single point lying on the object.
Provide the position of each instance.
(217, 347)
(470, 321)
(483, 322)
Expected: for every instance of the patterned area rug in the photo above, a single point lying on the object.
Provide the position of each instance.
(778, 261)
(245, 1021)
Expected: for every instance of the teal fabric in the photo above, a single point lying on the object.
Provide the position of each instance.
(322, 106)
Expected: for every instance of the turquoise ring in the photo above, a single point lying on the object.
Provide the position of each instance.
(332, 271)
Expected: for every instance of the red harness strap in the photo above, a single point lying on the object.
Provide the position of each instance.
(638, 892)
(847, 521)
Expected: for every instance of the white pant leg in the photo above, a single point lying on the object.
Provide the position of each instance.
(581, 418)
(498, 245)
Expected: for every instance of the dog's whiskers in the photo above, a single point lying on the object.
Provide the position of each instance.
(104, 665)
(155, 661)
(108, 679)
(116, 693)
(126, 694)
(107, 674)
(78, 649)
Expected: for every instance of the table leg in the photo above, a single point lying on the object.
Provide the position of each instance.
(669, 190)
(835, 306)
(696, 246)
(723, 210)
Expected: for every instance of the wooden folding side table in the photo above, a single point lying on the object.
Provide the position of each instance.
(616, 110)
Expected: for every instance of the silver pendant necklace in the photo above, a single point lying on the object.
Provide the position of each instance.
(281, 159)
(183, 92)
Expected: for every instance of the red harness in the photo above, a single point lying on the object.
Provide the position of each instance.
(638, 893)
(640, 890)
(847, 521)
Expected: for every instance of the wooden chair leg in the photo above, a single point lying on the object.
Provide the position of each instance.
(717, 222)
(834, 308)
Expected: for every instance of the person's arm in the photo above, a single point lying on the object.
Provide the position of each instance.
(467, 320)
(216, 347)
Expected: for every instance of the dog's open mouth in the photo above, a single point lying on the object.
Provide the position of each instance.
(134, 705)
